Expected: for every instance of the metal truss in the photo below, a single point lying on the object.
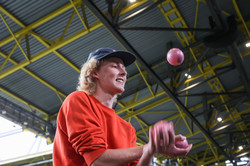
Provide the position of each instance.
(26, 119)
(212, 153)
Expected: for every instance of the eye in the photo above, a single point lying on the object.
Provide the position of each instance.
(114, 66)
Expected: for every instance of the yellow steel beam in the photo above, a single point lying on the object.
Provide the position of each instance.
(205, 154)
(224, 63)
(17, 42)
(196, 14)
(240, 16)
(132, 105)
(152, 105)
(142, 127)
(132, 6)
(196, 132)
(35, 76)
(67, 26)
(179, 124)
(78, 14)
(9, 55)
(183, 116)
(148, 107)
(213, 149)
(161, 112)
(59, 93)
(39, 22)
(56, 13)
(185, 42)
(213, 160)
(233, 113)
(36, 23)
(50, 49)
(44, 40)
(206, 72)
(58, 54)
(179, 18)
(145, 80)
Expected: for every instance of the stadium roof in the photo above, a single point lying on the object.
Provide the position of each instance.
(44, 43)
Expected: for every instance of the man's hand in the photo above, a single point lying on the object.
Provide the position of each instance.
(162, 140)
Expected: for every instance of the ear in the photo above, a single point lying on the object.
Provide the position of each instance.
(95, 75)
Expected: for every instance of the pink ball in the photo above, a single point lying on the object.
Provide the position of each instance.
(181, 143)
(175, 56)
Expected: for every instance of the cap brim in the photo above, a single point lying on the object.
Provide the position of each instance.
(127, 57)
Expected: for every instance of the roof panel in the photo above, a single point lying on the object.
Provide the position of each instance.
(150, 45)
(30, 11)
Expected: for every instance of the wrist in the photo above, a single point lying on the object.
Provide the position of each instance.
(147, 150)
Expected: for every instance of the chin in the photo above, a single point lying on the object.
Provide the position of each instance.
(119, 91)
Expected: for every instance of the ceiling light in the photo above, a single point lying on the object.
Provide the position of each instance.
(240, 147)
(242, 163)
(3, 112)
(219, 119)
(244, 159)
(222, 127)
(242, 154)
(132, 1)
(25, 123)
(189, 76)
(186, 74)
(229, 164)
(248, 44)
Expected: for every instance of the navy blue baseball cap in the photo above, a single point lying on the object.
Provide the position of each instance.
(127, 57)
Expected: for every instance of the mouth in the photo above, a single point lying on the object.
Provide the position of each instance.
(120, 80)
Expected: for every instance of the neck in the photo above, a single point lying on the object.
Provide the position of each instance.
(105, 98)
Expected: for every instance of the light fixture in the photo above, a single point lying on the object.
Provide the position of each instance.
(25, 123)
(189, 76)
(132, 1)
(242, 163)
(244, 159)
(229, 164)
(248, 44)
(242, 154)
(222, 127)
(186, 74)
(3, 112)
(219, 119)
(240, 147)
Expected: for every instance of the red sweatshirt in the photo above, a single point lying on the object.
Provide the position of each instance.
(86, 128)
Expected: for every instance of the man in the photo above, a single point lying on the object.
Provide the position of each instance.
(89, 132)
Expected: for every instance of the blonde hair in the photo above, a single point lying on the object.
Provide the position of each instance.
(86, 82)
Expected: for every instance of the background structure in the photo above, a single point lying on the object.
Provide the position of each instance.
(43, 44)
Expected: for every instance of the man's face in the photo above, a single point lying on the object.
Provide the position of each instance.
(111, 76)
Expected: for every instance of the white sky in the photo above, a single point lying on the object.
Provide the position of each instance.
(16, 143)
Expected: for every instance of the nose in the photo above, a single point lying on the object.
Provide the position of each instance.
(123, 71)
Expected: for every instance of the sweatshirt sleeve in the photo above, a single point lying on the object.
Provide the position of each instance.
(83, 127)
(133, 143)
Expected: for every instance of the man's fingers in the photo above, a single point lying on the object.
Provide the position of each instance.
(171, 134)
(180, 137)
(183, 152)
(156, 138)
(166, 134)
